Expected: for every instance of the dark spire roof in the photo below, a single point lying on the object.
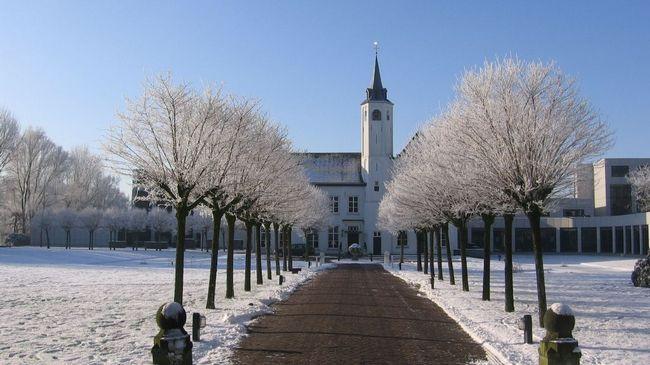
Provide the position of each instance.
(376, 91)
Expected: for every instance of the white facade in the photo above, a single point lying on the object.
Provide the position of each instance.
(355, 182)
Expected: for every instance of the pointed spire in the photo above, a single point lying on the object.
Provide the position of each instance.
(376, 91)
(376, 77)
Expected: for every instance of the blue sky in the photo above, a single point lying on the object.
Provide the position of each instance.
(66, 66)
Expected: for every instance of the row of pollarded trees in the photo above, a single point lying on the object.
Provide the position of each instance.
(115, 220)
(38, 175)
(510, 142)
(196, 149)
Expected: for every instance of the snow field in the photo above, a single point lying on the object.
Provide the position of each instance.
(612, 316)
(98, 307)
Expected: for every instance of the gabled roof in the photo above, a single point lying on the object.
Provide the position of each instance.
(333, 169)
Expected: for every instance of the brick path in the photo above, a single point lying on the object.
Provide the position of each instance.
(357, 314)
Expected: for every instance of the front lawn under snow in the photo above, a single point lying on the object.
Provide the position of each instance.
(98, 307)
(612, 316)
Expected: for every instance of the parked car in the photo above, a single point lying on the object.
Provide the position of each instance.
(17, 239)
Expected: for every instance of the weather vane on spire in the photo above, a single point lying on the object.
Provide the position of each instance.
(375, 45)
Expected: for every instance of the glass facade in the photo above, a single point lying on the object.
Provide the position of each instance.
(620, 198)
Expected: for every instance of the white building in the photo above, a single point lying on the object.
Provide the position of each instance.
(602, 217)
(355, 182)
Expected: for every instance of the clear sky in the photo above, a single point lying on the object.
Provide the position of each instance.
(66, 66)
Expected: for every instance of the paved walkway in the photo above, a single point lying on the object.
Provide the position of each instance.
(357, 314)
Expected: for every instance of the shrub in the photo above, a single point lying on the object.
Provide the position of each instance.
(641, 273)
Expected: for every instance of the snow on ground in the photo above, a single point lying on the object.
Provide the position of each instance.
(612, 316)
(98, 307)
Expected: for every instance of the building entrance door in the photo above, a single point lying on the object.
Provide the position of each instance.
(353, 235)
(376, 243)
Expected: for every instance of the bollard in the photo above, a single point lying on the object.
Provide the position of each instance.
(526, 324)
(386, 258)
(322, 258)
(400, 265)
(370, 257)
(280, 279)
(172, 344)
(308, 264)
(198, 322)
(559, 347)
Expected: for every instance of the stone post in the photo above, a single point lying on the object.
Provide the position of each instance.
(386, 257)
(172, 344)
(558, 346)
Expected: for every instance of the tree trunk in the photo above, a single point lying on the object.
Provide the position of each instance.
(510, 298)
(306, 255)
(276, 239)
(249, 243)
(401, 254)
(258, 254)
(450, 263)
(214, 257)
(181, 216)
(436, 232)
(539, 264)
(284, 248)
(67, 239)
(230, 259)
(267, 235)
(289, 248)
(418, 249)
(488, 219)
(90, 239)
(425, 246)
(463, 253)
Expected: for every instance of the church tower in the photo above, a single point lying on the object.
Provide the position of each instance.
(376, 126)
(376, 153)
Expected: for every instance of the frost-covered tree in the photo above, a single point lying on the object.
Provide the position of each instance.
(67, 219)
(9, 132)
(86, 184)
(159, 221)
(115, 220)
(167, 137)
(640, 180)
(528, 128)
(44, 221)
(32, 176)
(136, 224)
(201, 222)
(91, 219)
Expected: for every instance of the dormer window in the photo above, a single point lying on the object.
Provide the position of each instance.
(376, 114)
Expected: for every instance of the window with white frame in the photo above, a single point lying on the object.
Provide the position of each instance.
(334, 204)
(353, 204)
(333, 237)
(312, 238)
(402, 239)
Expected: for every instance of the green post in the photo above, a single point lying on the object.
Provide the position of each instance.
(558, 346)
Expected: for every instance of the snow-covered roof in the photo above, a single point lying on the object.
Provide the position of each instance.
(333, 168)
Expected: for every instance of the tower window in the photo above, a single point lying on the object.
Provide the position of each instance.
(376, 185)
(388, 115)
(376, 114)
